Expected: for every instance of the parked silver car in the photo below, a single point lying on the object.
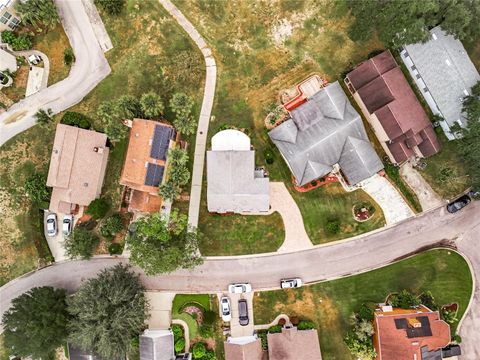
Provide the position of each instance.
(51, 224)
(239, 288)
(67, 225)
(290, 283)
(226, 310)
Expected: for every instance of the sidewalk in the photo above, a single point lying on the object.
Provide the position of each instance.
(205, 112)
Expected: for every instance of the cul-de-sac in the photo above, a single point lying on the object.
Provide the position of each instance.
(239, 180)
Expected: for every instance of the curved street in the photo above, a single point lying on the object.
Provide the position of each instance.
(89, 69)
(320, 263)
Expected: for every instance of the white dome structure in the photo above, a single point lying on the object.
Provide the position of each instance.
(230, 140)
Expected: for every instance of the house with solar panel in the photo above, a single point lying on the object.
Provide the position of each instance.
(326, 132)
(145, 162)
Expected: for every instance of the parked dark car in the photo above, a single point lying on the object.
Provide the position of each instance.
(458, 204)
(243, 312)
(474, 194)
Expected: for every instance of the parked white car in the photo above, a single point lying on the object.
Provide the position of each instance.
(239, 288)
(67, 225)
(51, 224)
(226, 309)
(290, 283)
(34, 59)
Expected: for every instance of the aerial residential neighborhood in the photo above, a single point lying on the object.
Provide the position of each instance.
(239, 180)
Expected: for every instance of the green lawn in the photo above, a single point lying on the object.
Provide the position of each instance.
(180, 300)
(330, 304)
(253, 70)
(445, 171)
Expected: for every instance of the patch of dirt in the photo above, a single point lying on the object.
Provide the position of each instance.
(281, 31)
(16, 116)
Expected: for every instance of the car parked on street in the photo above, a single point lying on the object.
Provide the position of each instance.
(290, 283)
(458, 204)
(67, 225)
(243, 312)
(51, 224)
(226, 310)
(239, 288)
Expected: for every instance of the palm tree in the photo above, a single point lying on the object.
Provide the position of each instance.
(152, 105)
(39, 13)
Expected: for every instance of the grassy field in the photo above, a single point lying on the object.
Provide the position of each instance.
(150, 52)
(262, 49)
(330, 304)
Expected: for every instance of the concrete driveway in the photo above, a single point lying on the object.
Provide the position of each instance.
(237, 330)
(428, 198)
(55, 243)
(160, 309)
(89, 69)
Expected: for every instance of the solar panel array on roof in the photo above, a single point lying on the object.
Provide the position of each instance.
(154, 174)
(161, 140)
(422, 331)
(401, 323)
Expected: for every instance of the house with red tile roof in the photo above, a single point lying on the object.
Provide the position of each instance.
(409, 334)
(391, 107)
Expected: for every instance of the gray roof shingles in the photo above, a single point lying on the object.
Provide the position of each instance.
(322, 126)
(447, 71)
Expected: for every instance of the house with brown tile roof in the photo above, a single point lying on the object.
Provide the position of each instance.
(243, 348)
(402, 334)
(391, 107)
(77, 168)
(294, 344)
(145, 163)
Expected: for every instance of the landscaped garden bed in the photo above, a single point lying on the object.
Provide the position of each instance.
(363, 211)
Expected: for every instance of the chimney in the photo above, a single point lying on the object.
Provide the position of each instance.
(98, 149)
(414, 323)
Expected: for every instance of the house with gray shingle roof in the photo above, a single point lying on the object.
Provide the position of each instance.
(234, 184)
(444, 74)
(322, 132)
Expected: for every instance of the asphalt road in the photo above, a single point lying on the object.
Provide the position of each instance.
(89, 69)
(325, 262)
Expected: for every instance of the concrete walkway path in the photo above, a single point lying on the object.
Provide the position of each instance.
(274, 322)
(89, 69)
(160, 309)
(186, 331)
(46, 65)
(205, 112)
(427, 197)
(97, 24)
(296, 237)
(394, 207)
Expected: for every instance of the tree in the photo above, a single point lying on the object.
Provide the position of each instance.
(361, 350)
(36, 189)
(107, 110)
(178, 171)
(168, 190)
(112, 7)
(116, 130)
(182, 105)
(17, 41)
(199, 350)
(405, 300)
(44, 117)
(35, 324)
(68, 56)
(151, 105)
(81, 243)
(129, 107)
(98, 208)
(428, 300)
(108, 312)
(38, 13)
(112, 225)
(160, 246)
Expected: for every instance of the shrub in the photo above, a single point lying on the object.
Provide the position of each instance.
(76, 119)
(206, 331)
(17, 41)
(365, 312)
(274, 329)
(199, 350)
(428, 300)
(404, 300)
(179, 345)
(81, 243)
(115, 249)
(262, 334)
(449, 316)
(36, 189)
(98, 208)
(177, 331)
(112, 7)
(209, 317)
(111, 225)
(281, 322)
(306, 325)
(68, 57)
(457, 338)
(333, 226)
(268, 154)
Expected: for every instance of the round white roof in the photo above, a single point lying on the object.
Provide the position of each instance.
(230, 140)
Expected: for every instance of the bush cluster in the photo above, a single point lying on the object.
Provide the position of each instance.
(76, 119)
(17, 41)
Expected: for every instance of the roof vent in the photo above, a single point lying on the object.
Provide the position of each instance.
(465, 92)
(55, 151)
(448, 62)
(434, 37)
(85, 184)
(98, 149)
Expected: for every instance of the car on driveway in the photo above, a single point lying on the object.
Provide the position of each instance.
(51, 224)
(239, 288)
(67, 225)
(226, 309)
(458, 204)
(290, 283)
(243, 312)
